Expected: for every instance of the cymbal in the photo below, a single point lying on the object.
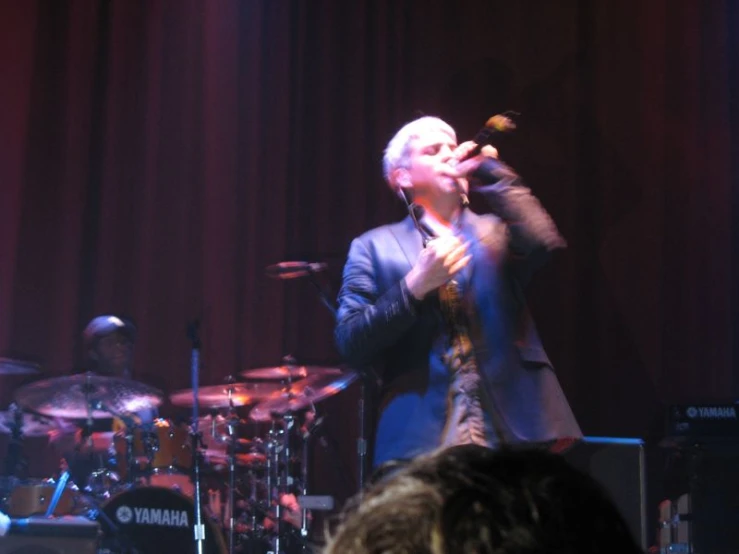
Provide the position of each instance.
(32, 425)
(8, 366)
(223, 396)
(219, 460)
(284, 372)
(72, 396)
(302, 394)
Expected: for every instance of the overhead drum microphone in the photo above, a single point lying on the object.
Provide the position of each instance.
(294, 270)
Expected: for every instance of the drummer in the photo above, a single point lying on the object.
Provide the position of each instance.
(108, 341)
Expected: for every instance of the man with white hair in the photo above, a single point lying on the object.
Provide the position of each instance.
(435, 304)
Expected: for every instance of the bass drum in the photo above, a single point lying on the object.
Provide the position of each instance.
(153, 520)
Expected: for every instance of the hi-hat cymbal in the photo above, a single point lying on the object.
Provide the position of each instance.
(224, 396)
(302, 394)
(8, 366)
(289, 371)
(219, 460)
(87, 395)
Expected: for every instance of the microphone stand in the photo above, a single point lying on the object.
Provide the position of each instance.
(198, 527)
(365, 375)
(322, 295)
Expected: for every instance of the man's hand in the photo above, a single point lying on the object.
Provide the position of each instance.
(442, 258)
(462, 169)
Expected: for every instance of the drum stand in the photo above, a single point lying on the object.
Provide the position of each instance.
(232, 418)
(279, 477)
(304, 480)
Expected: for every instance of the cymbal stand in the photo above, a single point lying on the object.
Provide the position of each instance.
(310, 425)
(232, 418)
(279, 478)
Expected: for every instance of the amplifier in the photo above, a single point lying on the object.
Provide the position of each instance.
(702, 423)
(618, 464)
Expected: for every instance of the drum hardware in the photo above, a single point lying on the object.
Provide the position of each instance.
(311, 424)
(264, 481)
(278, 472)
(231, 420)
(102, 483)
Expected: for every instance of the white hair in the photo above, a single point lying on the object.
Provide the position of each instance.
(397, 153)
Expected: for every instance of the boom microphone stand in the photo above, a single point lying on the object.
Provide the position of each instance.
(293, 270)
(198, 527)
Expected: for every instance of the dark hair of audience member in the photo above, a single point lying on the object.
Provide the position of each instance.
(470, 499)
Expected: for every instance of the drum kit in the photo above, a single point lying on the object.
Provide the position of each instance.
(246, 455)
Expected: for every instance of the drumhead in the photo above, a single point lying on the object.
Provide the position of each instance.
(154, 520)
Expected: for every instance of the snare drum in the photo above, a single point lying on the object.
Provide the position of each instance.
(166, 448)
(153, 520)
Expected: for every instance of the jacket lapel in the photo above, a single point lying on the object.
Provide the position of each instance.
(409, 240)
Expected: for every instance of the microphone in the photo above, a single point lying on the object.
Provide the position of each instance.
(494, 126)
(294, 270)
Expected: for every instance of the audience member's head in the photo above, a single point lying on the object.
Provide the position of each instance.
(469, 499)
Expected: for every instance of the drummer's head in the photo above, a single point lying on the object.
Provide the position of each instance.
(108, 342)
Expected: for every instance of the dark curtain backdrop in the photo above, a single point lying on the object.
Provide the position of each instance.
(157, 155)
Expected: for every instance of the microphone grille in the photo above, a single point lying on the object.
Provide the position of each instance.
(500, 123)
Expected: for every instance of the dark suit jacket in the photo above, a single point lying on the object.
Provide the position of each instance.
(380, 324)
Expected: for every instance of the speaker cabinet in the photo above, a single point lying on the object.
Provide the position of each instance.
(51, 536)
(711, 485)
(618, 464)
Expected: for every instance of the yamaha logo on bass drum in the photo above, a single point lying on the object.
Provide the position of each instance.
(141, 515)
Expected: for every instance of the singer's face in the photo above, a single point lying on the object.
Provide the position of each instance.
(431, 156)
